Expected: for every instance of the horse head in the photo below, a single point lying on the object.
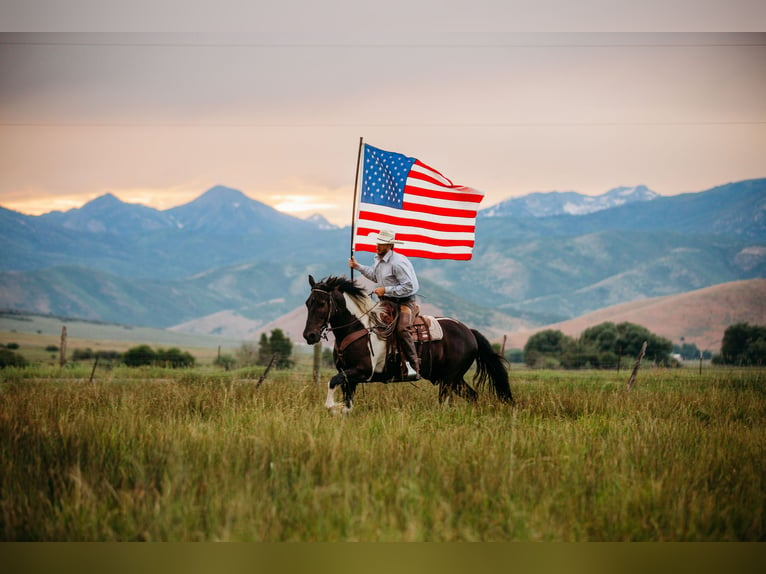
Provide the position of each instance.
(326, 301)
(319, 306)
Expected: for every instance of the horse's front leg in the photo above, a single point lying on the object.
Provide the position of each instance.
(348, 386)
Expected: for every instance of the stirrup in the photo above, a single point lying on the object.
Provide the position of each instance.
(412, 374)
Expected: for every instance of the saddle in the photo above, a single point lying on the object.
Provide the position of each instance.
(424, 328)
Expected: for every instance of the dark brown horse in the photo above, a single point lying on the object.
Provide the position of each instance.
(339, 305)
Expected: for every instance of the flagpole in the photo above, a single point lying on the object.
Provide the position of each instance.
(353, 207)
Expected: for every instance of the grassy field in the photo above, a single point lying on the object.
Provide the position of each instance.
(204, 455)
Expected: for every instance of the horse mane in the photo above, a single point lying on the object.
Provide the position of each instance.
(348, 287)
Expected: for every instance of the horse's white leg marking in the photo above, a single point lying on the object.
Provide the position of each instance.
(335, 407)
(330, 401)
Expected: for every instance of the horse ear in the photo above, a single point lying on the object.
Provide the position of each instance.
(311, 281)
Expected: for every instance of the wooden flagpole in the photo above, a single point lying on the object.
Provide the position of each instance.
(353, 207)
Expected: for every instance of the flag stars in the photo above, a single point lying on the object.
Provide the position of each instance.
(385, 175)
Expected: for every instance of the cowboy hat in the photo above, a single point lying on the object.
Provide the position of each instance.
(386, 236)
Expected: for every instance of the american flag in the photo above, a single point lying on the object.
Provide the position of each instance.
(433, 217)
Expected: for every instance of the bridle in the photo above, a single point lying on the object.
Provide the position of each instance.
(326, 323)
(325, 328)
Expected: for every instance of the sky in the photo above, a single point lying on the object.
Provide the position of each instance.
(275, 107)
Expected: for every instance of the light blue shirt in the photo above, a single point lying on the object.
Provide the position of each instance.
(394, 272)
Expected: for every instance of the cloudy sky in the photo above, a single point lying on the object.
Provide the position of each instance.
(276, 109)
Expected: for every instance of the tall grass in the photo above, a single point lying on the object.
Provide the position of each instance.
(203, 455)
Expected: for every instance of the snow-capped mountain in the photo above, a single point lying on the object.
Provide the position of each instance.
(542, 204)
(321, 222)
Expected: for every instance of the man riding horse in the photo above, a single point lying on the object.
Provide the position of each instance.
(397, 285)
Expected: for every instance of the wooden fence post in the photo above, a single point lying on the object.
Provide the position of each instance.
(317, 361)
(632, 378)
(62, 350)
(266, 372)
(93, 372)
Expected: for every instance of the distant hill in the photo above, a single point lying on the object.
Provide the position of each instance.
(699, 317)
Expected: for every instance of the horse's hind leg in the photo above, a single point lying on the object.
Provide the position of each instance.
(463, 390)
(445, 391)
(459, 388)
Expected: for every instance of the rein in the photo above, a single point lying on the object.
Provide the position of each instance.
(326, 325)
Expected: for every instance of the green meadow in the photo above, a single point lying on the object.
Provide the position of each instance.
(206, 455)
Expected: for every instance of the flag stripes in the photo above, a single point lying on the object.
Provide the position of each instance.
(433, 217)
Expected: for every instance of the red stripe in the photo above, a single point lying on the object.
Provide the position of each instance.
(364, 232)
(428, 167)
(416, 223)
(434, 254)
(434, 210)
(428, 178)
(448, 195)
(419, 253)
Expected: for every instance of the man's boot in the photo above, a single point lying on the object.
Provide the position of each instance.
(412, 363)
(406, 343)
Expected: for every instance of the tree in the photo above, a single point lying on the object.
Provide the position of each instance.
(139, 356)
(174, 358)
(599, 346)
(277, 343)
(610, 341)
(545, 346)
(264, 350)
(743, 344)
(688, 351)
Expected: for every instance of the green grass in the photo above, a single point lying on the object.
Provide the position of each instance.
(194, 455)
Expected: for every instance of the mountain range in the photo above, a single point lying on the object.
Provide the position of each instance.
(543, 204)
(224, 259)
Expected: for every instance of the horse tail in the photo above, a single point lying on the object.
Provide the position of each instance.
(492, 366)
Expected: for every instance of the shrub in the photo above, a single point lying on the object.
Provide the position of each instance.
(139, 356)
(11, 359)
(174, 358)
(247, 354)
(82, 354)
(514, 355)
(225, 361)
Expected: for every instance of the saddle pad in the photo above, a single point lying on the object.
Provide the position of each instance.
(428, 328)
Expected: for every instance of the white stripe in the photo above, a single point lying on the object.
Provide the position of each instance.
(393, 212)
(448, 203)
(455, 250)
(413, 229)
(431, 173)
(457, 191)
